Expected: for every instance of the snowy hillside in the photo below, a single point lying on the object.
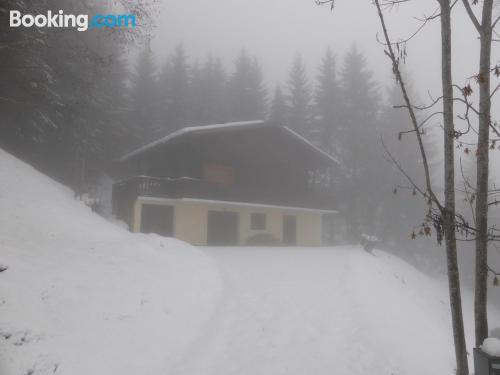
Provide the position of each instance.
(83, 296)
(325, 311)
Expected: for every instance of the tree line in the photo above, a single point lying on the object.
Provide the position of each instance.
(71, 103)
(62, 92)
(341, 109)
(444, 216)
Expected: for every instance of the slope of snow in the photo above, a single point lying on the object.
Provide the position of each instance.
(324, 311)
(83, 296)
(491, 346)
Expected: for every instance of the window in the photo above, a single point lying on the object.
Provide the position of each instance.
(218, 174)
(290, 230)
(258, 222)
(157, 219)
(222, 228)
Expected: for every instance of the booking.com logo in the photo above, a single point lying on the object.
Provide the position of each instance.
(79, 22)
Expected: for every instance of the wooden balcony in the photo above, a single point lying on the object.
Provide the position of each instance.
(126, 192)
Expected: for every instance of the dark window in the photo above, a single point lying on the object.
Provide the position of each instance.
(157, 219)
(328, 221)
(258, 222)
(290, 230)
(222, 229)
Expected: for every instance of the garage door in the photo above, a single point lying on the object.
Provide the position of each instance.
(157, 219)
(290, 230)
(222, 228)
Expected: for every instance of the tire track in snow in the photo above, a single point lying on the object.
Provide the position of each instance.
(282, 311)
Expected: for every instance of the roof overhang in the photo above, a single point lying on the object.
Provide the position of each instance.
(186, 133)
(172, 201)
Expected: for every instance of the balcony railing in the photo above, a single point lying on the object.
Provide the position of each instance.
(125, 192)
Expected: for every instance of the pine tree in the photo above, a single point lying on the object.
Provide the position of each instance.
(65, 106)
(360, 150)
(258, 89)
(197, 107)
(111, 109)
(216, 91)
(359, 92)
(400, 213)
(328, 103)
(278, 112)
(29, 103)
(299, 97)
(178, 89)
(208, 92)
(144, 107)
(246, 94)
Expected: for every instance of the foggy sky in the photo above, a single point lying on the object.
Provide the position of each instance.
(275, 30)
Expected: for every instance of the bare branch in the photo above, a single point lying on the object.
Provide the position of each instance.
(401, 169)
(413, 117)
(472, 16)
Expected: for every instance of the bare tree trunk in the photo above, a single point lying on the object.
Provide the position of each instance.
(484, 29)
(481, 284)
(449, 192)
(448, 211)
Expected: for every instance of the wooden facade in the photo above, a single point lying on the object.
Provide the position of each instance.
(229, 172)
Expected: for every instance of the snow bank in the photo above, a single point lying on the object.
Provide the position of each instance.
(491, 346)
(83, 296)
(322, 311)
(404, 315)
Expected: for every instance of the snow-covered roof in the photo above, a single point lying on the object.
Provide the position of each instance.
(304, 140)
(237, 204)
(215, 127)
(190, 129)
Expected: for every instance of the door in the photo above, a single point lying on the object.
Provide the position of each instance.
(222, 228)
(157, 219)
(290, 230)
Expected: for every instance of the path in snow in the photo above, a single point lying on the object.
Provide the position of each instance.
(321, 311)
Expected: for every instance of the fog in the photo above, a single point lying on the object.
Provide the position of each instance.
(102, 93)
(238, 186)
(274, 30)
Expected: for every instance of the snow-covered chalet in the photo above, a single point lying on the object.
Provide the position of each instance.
(244, 183)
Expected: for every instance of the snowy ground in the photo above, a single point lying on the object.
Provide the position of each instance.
(323, 311)
(83, 296)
